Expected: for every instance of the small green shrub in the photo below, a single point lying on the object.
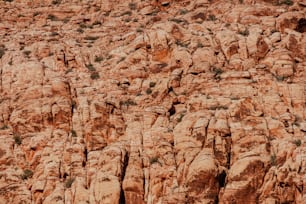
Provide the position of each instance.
(273, 160)
(132, 6)
(91, 38)
(152, 84)
(286, 2)
(27, 53)
(181, 44)
(297, 142)
(69, 182)
(96, 23)
(98, 59)
(55, 2)
(52, 17)
(80, 30)
(73, 133)
(95, 75)
(126, 13)
(244, 32)
(217, 71)
(177, 20)
(54, 34)
(200, 45)
(180, 118)
(128, 102)
(2, 51)
(36, 13)
(83, 25)
(183, 11)
(4, 127)
(66, 20)
(280, 78)
(212, 17)
(153, 160)
(297, 120)
(149, 91)
(90, 67)
(17, 139)
(139, 30)
(27, 173)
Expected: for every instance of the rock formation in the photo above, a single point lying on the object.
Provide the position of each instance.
(152, 101)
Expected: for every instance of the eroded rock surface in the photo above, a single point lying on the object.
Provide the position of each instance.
(144, 101)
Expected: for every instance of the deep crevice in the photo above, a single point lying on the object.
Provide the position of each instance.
(172, 110)
(125, 164)
(221, 179)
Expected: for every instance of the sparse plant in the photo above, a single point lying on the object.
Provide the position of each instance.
(27, 53)
(218, 107)
(234, 98)
(244, 32)
(54, 34)
(128, 13)
(132, 6)
(55, 2)
(69, 182)
(183, 11)
(95, 75)
(297, 120)
(181, 44)
(91, 38)
(98, 59)
(2, 51)
(52, 17)
(4, 127)
(200, 45)
(280, 78)
(80, 30)
(66, 20)
(152, 84)
(148, 91)
(73, 133)
(121, 59)
(27, 173)
(212, 17)
(273, 160)
(128, 102)
(153, 160)
(96, 23)
(36, 13)
(139, 30)
(177, 20)
(90, 67)
(217, 71)
(83, 25)
(286, 2)
(180, 118)
(297, 142)
(17, 139)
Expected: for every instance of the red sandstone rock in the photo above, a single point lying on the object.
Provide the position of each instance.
(152, 101)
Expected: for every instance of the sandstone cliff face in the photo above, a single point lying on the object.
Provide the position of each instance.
(113, 101)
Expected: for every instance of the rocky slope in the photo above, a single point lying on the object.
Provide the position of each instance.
(113, 101)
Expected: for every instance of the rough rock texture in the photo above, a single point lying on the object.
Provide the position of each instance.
(172, 101)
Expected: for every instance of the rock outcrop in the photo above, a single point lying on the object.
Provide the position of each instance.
(171, 101)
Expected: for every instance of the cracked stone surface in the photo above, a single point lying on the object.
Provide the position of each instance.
(140, 101)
